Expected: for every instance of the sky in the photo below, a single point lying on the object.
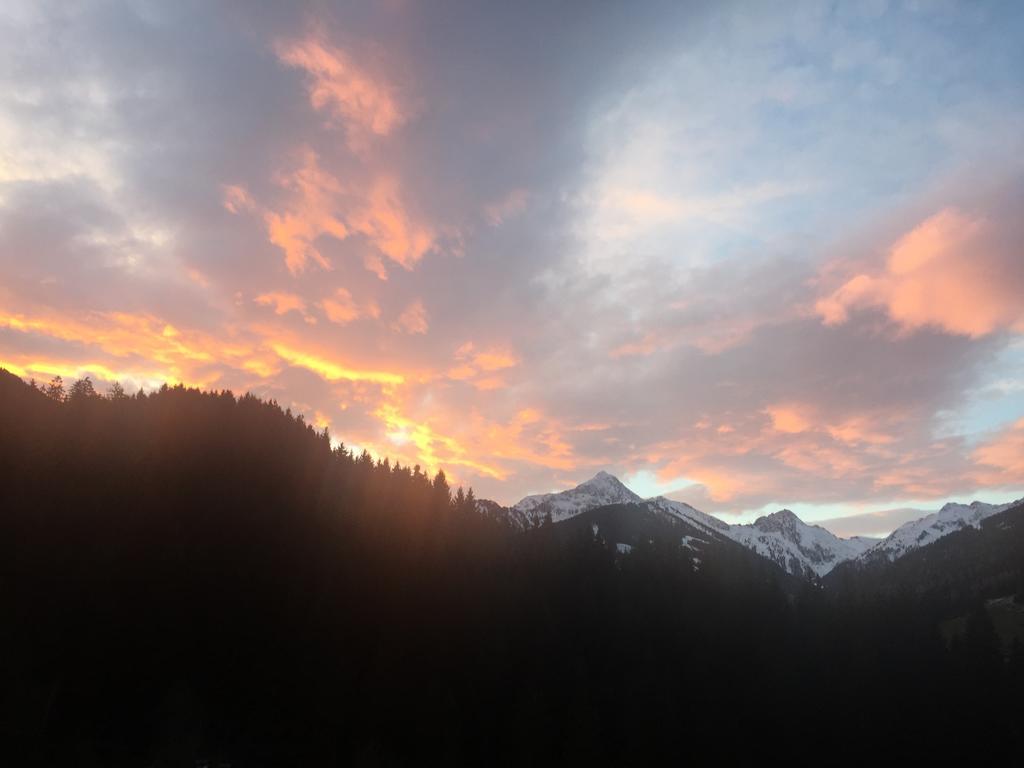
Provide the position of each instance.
(745, 255)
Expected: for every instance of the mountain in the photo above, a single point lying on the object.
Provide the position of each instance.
(599, 491)
(795, 546)
(782, 538)
(929, 529)
(957, 554)
(653, 526)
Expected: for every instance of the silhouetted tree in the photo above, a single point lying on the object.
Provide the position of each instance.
(55, 389)
(81, 390)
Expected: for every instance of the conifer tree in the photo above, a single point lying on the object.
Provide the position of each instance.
(81, 390)
(55, 389)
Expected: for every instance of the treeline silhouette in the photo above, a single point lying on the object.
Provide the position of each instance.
(196, 578)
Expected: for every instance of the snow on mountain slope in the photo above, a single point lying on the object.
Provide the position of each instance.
(684, 511)
(781, 537)
(794, 545)
(599, 491)
(929, 529)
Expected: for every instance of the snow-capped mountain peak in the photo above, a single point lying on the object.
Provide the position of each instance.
(796, 546)
(781, 536)
(784, 521)
(950, 518)
(599, 491)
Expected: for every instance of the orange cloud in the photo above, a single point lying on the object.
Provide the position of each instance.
(949, 272)
(474, 363)
(413, 319)
(364, 105)
(820, 460)
(789, 418)
(237, 199)
(494, 360)
(434, 448)
(32, 367)
(461, 372)
(490, 383)
(170, 353)
(283, 303)
(528, 437)
(1001, 459)
(341, 308)
(914, 480)
(331, 370)
(859, 429)
(385, 222)
(313, 212)
(318, 204)
(725, 484)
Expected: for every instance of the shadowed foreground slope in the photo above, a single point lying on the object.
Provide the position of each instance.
(191, 575)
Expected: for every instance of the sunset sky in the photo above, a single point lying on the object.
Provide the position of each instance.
(743, 257)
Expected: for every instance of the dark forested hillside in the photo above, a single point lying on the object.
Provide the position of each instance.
(957, 569)
(642, 528)
(189, 576)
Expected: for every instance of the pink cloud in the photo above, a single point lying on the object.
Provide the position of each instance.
(1001, 460)
(310, 212)
(283, 303)
(318, 204)
(413, 319)
(363, 104)
(953, 271)
(384, 220)
(789, 418)
(341, 308)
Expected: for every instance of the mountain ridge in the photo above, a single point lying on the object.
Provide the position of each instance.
(797, 547)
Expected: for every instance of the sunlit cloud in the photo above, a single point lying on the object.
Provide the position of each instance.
(282, 303)
(330, 369)
(479, 366)
(384, 221)
(311, 213)
(362, 104)
(1001, 460)
(413, 319)
(789, 418)
(434, 448)
(342, 308)
(953, 271)
(317, 204)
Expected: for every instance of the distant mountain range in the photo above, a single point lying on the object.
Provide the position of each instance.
(781, 537)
